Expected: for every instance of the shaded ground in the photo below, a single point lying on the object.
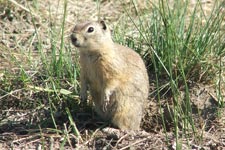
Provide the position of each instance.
(25, 124)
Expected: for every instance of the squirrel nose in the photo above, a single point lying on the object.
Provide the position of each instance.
(75, 40)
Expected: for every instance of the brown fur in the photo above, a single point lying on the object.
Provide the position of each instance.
(116, 76)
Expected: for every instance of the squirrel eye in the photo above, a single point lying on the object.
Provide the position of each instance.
(90, 29)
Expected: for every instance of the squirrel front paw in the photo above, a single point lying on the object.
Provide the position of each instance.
(106, 98)
(105, 103)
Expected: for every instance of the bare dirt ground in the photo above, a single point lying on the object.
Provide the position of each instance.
(17, 43)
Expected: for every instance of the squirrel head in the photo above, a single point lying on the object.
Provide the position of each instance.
(90, 35)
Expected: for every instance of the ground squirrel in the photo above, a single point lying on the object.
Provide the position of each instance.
(115, 75)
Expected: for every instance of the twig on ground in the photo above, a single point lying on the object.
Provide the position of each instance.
(92, 137)
(19, 5)
(121, 139)
(135, 143)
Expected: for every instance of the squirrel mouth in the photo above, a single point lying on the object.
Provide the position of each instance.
(77, 44)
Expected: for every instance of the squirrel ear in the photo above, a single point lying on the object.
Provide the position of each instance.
(104, 27)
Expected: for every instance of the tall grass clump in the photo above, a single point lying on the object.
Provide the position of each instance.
(58, 61)
(59, 71)
(40, 75)
(181, 44)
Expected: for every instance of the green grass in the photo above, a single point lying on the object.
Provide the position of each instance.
(176, 45)
(179, 48)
